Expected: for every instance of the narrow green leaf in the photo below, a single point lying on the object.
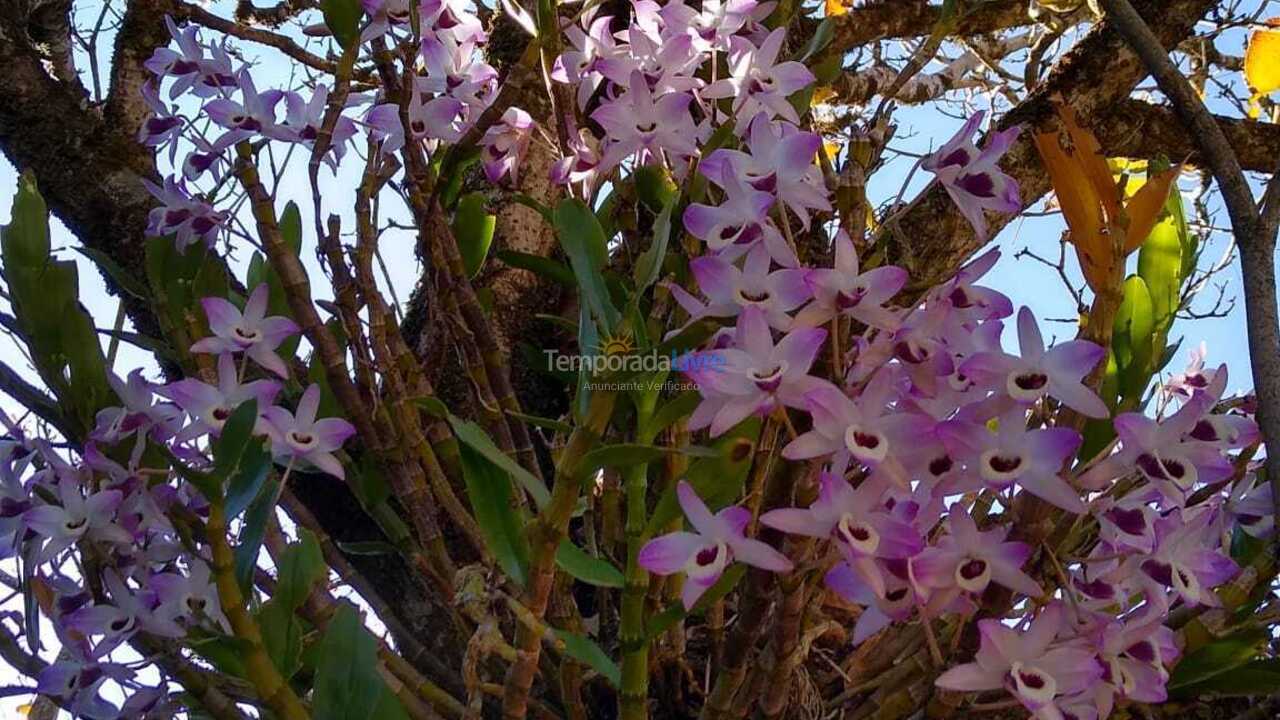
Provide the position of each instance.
(718, 480)
(625, 454)
(254, 530)
(591, 570)
(347, 684)
(538, 265)
(489, 490)
(821, 39)
(433, 406)
(291, 218)
(367, 547)
(529, 202)
(1160, 267)
(247, 479)
(649, 265)
(1217, 657)
(237, 433)
(342, 17)
(586, 651)
(663, 621)
(473, 229)
(127, 281)
(542, 422)
(474, 437)
(301, 568)
(583, 241)
(675, 409)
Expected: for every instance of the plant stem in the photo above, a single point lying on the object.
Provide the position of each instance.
(635, 645)
(545, 534)
(261, 671)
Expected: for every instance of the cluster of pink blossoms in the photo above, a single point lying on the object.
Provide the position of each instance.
(155, 583)
(928, 407)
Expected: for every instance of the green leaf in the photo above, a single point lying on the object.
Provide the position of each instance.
(538, 265)
(1160, 267)
(675, 409)
(586, 651)
(281, 636)
(542, 422)
(649, 264)
(347, 684)
(538, 207)
(301, 567)
(661, 622)
(127, 281)
(625, 454)
(254, 530)
(489, 490)
(367, 547)
(474, 437)
(718, 480)
(224, 652)
(1218, 657)
(237, 434)
(587, 568)
(433, 406)
(821, 39)
(654, 186)
(473, 229)
(1132, 337)
(342, 17)
(291, 218)
(583, 241)
(26, 237)
(246, 482)
(1257, 677)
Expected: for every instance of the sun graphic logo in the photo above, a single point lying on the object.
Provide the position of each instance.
(612, 345)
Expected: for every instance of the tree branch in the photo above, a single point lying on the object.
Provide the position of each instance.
(931, 239)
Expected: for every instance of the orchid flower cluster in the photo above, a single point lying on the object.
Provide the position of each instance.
(155, 580)
(937, 451)
(925, 408)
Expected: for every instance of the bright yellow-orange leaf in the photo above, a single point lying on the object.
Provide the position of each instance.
(1262, 60)
(1088, 152)
(835, 7)
(1144, 207)
(1079, 201)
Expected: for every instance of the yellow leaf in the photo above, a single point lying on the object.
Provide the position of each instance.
(1079, 202)
(835, 7)
(1262, 60)
(822, 94)
(1144, 207)
(25, 709)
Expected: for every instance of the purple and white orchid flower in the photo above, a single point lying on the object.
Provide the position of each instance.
(971, 176)
(717, 541)
(250, 332)
(302, 439)
(755, 375)
(210, 407)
